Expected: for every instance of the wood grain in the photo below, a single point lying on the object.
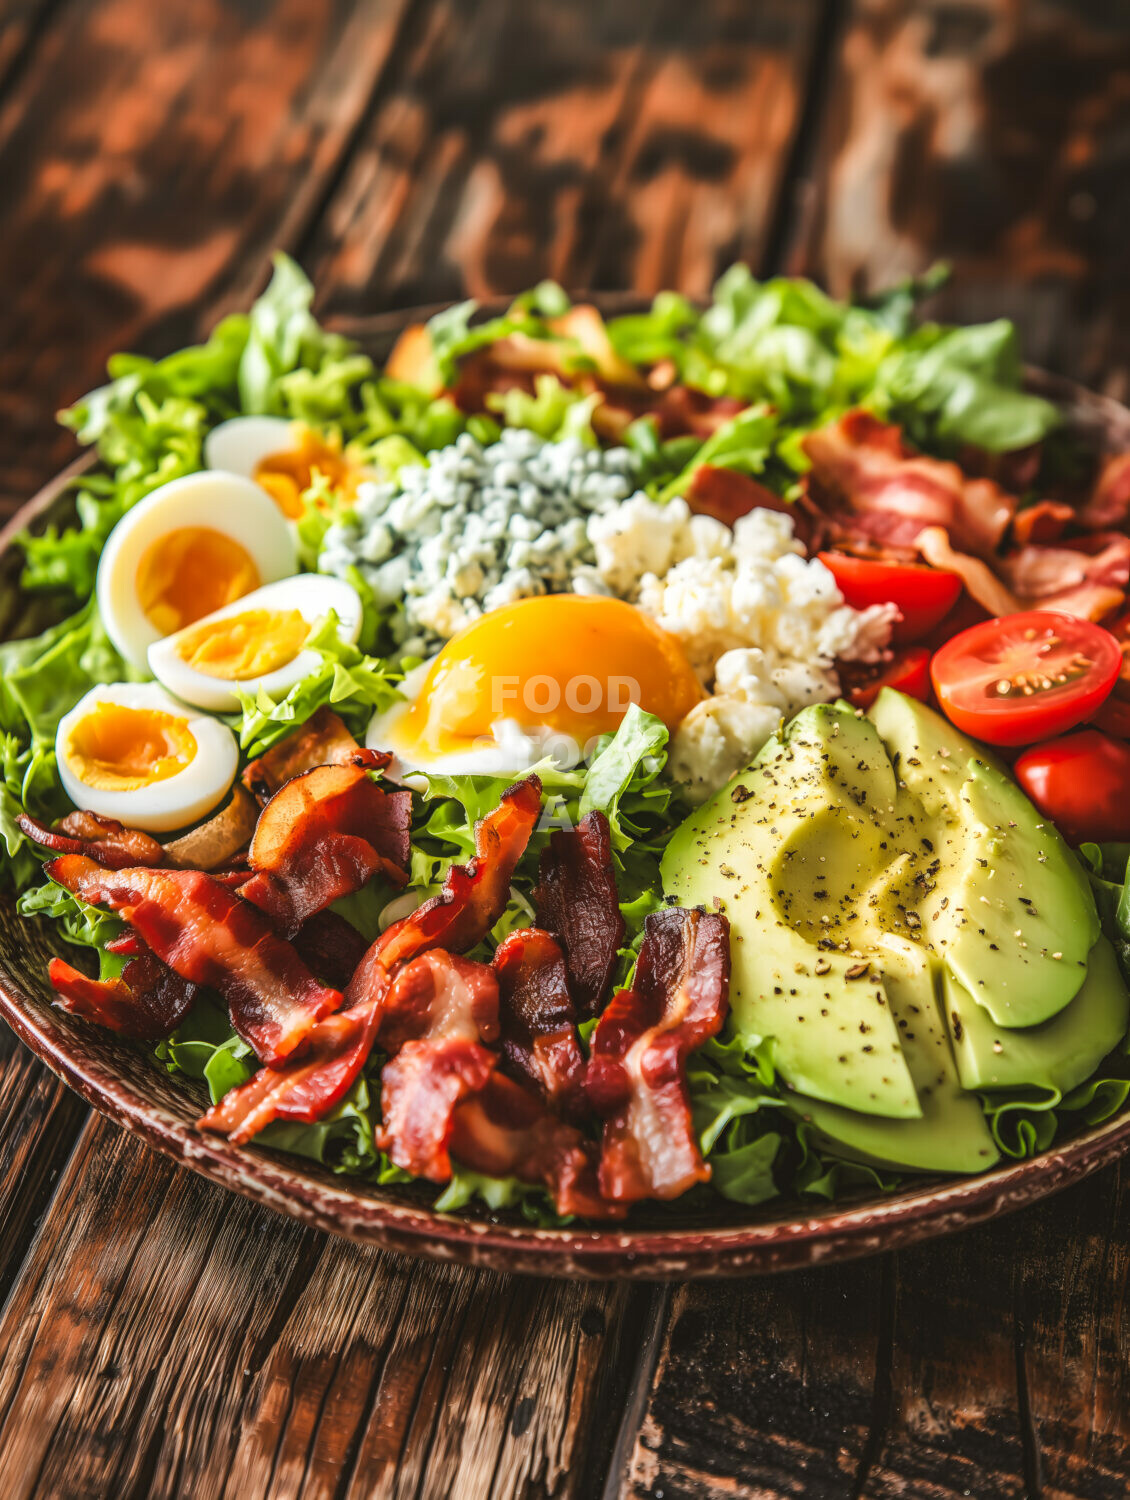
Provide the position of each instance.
(151, 157)
(607, 146)
(39, 1124)
(168, 1339)
(994, 137)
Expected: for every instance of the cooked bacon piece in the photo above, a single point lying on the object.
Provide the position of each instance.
(147, 1001)
(637, 1076)
(474, 895)
(323, 836)
(1016, 470)
(440, 994)
(727, 494)
(217, 841)
(1089, 601)
(981, 583)
(683, 411)
(438, 1012)
(1037, 572)
(1046, 521)
(576, 900)
(103, 840)
(322, 741)
(505, 1130)
(209, 936)
(539, 1024)
(305, 1088)
(1109, 502)
(330, 947)
(420, 1089)
(865, 478)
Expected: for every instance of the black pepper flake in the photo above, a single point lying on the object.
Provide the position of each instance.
(740, 794)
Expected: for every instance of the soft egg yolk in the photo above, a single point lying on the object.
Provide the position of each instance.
(119, 749)
(563, 662)
(188, 573)
(286, 476)
(249, 644)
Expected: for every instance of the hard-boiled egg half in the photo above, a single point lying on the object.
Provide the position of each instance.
(542, 677)
(186, 550)
(282, 457)
(257, 642)
(129, 751)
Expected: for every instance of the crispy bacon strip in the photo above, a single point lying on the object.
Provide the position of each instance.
(438, 1012)
(322, 741)
(1040, 572)
(576, 899)
(1046, 521)
(103, 840)
(209, 936)
(323, 836)
(474, 895)
(504, 1129)
(225, 834)
(536, 1014)
(980, 581)
(420, 1089)
(1109, 502)
(637, 1077)
(303, 1089)
(865, 479)
(146, 1001)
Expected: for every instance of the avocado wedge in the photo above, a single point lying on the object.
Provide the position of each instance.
(882, 877)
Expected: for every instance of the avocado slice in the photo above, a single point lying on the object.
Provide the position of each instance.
(1059, 1054)
(951, 1135)
(788, 849)
(1019, 919)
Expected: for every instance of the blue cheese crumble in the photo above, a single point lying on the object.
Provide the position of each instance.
(477, 528)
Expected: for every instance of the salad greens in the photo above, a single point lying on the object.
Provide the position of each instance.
(798, 356)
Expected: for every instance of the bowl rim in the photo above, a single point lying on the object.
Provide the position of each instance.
(316, 1197)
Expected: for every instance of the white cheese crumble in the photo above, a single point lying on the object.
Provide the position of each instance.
(477, 528)
(761, 624)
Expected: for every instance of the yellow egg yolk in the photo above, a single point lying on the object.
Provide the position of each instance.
(286, 476)
(188, 573)
(249, 644)
(562, 662)
(119, 749)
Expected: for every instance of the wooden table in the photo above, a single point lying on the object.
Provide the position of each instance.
(160, 1338)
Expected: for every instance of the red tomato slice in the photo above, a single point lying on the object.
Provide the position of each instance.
(1026, 677)
(1080, 783)
(923, 595)
(909, 671)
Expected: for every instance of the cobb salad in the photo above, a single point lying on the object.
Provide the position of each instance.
(587, 762)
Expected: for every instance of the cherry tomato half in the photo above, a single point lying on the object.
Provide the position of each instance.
(1023, 678)
(923, 595)
(1080, 783)
(909, 671)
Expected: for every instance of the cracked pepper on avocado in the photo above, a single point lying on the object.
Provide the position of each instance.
(588, 762)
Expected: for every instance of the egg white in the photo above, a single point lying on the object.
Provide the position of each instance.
(178, 800)
(240, 444)
(225, 503)
(311, 594)
(513, 747)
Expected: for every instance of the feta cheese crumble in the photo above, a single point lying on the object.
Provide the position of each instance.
(477, 528)
(761, 624)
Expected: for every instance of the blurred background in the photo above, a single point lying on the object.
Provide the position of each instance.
(153, 154)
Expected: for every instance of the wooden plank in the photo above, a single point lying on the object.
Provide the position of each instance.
(602, 145)
(152, 156)
(39, 1124)
(167, 1338)
(1073, 1352)
(991, 136)
(764, 1388)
